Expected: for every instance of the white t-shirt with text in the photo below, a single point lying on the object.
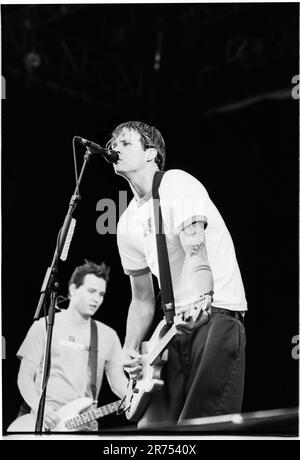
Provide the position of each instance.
(70, 374)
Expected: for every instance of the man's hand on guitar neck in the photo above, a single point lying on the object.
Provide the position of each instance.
(186, 321)
(132, 362)
(188, 326)
(51, 420)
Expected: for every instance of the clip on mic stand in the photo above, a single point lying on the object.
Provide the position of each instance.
(49, 291)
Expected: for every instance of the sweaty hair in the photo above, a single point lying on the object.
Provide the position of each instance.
(101, 271)
(150, 138)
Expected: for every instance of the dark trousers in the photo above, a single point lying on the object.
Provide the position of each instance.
(204, 375)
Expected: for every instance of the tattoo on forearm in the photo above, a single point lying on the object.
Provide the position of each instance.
(193, 241)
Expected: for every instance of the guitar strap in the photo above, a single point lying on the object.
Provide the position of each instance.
(93, 358)
(167, 295)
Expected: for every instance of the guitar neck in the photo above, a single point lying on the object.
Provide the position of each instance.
(161, 346)
(107, 409)
(92, 414)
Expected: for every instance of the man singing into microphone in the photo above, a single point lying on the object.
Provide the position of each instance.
(204, 375)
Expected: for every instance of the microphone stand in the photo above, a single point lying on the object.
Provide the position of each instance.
(49, 292)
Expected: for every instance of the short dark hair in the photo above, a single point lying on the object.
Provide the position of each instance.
(150, 138)
(101, 271)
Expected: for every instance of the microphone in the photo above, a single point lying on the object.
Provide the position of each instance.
(110, 155)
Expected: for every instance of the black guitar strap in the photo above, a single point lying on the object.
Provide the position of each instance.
(167, 295)
(93, 358)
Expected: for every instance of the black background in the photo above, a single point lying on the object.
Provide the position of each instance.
(222, 100)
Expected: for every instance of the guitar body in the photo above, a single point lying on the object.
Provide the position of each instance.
(73, 416)
(141, 390)
(154, 355)
(25, 423)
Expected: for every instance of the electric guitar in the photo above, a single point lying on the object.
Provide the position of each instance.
(154, 356)
(72, 416)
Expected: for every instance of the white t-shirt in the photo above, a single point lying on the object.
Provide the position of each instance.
(183, 200)
(70, 373)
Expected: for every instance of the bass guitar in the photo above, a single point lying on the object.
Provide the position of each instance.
(73, 416)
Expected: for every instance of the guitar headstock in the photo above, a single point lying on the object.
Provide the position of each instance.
(196, 310)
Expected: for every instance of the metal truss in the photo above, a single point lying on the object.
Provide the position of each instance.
(92, 53)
